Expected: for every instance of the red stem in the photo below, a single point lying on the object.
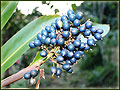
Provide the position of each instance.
(19, 75)
(40, 75)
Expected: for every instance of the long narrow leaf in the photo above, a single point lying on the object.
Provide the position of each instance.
(18, 44)
(7, 8)
(37, 57)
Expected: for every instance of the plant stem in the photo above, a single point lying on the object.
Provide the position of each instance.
(20, 74)
(40, 75)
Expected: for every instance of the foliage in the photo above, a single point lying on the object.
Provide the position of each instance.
(7, 8)
(97, 60)
(18, 44)
(56, 11)
(101, 76)
(16, 22)
(96, 69)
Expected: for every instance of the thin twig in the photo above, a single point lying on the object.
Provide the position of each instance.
(40, 75)
(20, 74)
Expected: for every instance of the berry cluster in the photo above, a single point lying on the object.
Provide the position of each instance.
(64, 34)
(56, 71)
(31, 76)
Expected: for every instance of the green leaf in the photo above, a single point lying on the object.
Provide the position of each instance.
(56, 11)
(7, 8)
(18, 44)
(74, 7)
(37, 58)
(105, 27)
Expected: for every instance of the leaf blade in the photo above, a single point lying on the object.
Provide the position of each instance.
(7, 8)
(37, 57)
(18, 44)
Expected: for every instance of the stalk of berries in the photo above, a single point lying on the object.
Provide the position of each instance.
(31, 76)
(64, 34)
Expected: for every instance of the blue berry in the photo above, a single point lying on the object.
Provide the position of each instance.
(65, 34)
(58, 23)
(53, 41)
(59, 72)
(66, 26)
(63, 52)
(76, 43)
(44, 32)
(81, 53)
(43, 53)
(58, 19)
(53, 35)
(70, 54)
(65, 21)
(72, 17)
(79, 15)
(82, 46)
(32, 45)
(43, 38)
(100, 31)
(27, 75)
(48, 28)
(53, 25)
(69, 12)
(87, 47)
(74, 31)
(64, 17)
(61, 41)
(66, 66)
(37, 42)
(71, 47)
(88, 24)
(82, 28)
(98, 36)
(73, 60)
(76, 22)
(70, 70)
(33, 73)
(87, 32)
(91, 42)
(52, 29)
(77, 55)
(47, 41)
(60, 58)
(93, 29)
(68, 62)
(53, 70)
(39, 36)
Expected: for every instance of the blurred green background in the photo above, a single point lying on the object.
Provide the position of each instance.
(97, 69)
